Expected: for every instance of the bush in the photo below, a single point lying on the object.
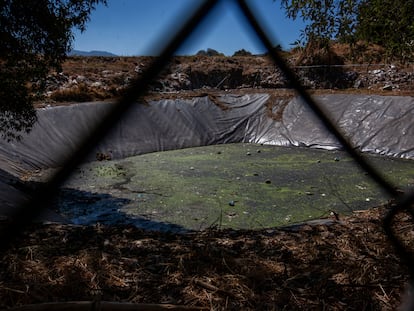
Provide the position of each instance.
(242, 52)
(209, 52)
(78, 94)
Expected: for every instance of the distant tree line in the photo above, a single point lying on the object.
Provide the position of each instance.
(241, 52)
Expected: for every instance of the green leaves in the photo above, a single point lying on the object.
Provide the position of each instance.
(325, 19)
(390, 24)
(34, 37)
(387, 23)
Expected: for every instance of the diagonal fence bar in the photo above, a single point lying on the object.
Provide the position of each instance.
(24, 215)
(323, 116)
(403, 202)
(29, 211)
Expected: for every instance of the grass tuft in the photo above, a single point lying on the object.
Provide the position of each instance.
(81, 93)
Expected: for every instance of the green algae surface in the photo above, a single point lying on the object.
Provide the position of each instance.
(236, 185)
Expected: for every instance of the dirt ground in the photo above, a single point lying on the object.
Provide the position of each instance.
(339, 71)
(346, 265)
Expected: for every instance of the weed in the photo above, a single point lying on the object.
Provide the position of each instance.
(80, 93)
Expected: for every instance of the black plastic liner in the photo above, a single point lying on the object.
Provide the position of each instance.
(375, 124)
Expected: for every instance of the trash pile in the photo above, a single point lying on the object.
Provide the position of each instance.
(106, 77)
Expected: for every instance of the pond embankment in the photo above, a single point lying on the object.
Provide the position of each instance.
(374, 124)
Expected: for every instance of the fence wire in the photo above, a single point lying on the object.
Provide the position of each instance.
(24, 215)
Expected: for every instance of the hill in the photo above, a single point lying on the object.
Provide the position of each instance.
(90, 53)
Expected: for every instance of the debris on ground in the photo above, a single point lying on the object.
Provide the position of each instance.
(345, 264)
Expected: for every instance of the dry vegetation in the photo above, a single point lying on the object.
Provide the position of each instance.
(102, 78)
(347, 265)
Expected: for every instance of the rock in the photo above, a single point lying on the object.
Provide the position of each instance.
(96, 84)
(81, 78)
(231, 214)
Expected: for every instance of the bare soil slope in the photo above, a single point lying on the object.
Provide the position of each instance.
(101, 78)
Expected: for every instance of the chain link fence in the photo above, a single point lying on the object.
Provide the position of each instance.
(402, 202)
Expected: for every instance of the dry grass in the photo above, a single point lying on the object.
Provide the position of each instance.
(102, 78)
(349, 265)
(80, 93)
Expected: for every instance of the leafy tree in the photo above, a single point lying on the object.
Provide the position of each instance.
(34, 38)
(390, 24)
(325, 19)
(385, 22)
(201, 53)
(242, 52)
(209, 52)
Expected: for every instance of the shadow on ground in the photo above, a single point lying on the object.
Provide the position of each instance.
(89, 208)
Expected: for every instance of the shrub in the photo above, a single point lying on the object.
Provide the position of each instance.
(209, 52)
(242, 52)
(78, 94)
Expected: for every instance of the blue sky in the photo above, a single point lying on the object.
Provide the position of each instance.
(134, 27)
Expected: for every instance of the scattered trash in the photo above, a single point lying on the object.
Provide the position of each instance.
(387, 87)
(231, 214)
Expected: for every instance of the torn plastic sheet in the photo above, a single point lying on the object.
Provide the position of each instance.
(376, 124)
